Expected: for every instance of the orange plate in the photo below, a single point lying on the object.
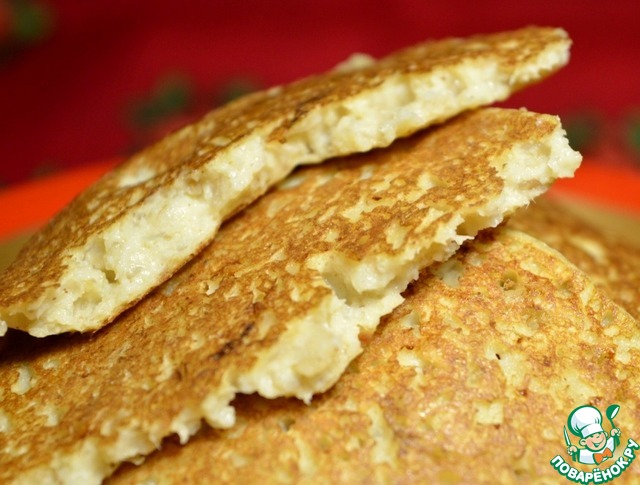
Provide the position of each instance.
(612, 187)
(27, 206)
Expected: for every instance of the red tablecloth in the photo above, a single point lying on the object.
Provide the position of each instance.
(106, 76)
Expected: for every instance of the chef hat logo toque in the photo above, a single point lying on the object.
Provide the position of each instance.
(585, 421)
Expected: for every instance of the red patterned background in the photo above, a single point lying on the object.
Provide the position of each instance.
(82, 81)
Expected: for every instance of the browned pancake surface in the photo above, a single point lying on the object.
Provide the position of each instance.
(140, 223)
(612, 263)
(277, 304)
(470, 380)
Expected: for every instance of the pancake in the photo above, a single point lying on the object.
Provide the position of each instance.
(135, 227)
(277, 304)
(612, 263)
(470, 380)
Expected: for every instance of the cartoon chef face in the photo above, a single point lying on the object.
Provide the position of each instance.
(586, 422)
(595, 442)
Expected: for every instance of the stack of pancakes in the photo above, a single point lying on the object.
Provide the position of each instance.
(225, 308)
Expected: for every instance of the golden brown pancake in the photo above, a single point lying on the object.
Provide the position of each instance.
(613, 264)
(278, 304)
(134, 228)
(471, 380)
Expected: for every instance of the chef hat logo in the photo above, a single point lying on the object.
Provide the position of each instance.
(585, 421)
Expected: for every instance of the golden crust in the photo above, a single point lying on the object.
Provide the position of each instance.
(276, 304)
(471, 378)
(85, 266)
(613, 264)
